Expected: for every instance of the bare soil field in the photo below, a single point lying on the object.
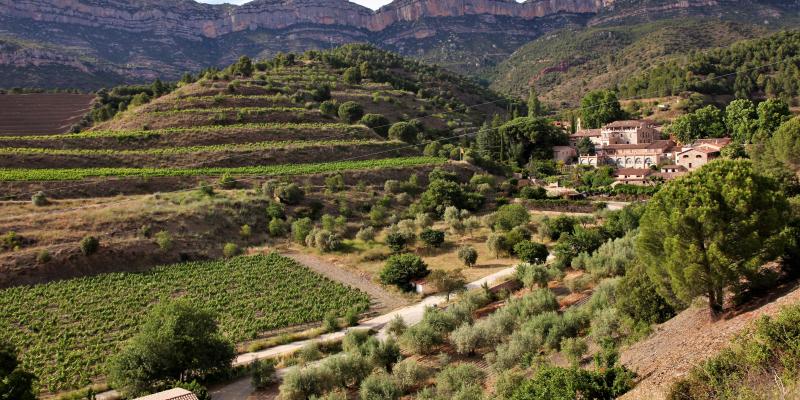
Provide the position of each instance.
(41, 113)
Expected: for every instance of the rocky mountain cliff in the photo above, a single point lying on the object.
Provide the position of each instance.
(92, 41)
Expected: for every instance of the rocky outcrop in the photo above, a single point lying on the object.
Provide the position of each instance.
(188, 19)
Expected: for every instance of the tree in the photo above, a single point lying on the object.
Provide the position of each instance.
(15, 383)
(574, 349)
(711, 229)
(740, 117)
(487, 142)
(600, 107)
(377, 123)
(511, 216)
(706, 122)
(289, 194)
(352, 75)
(531, 252)
(244, 66)
(401, 269)
(396, 241)
(432, 238)
(585, 146)
(712, 122)
(784, 146)
(403, 131)
(177, 342)
(771, 114)
(350, 111)
(440, 195)
(468, 255)
(529, 137)
(534, 105)
(447, 281)
(89, 245)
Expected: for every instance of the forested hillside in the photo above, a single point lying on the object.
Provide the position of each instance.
(759, 68)
(564, 65)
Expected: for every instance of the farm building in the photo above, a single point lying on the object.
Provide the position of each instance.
(172, 394)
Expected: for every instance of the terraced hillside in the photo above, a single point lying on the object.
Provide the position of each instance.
(204, 151)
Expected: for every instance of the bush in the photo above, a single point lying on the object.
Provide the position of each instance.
(574, 349)
(304, 383)
(230, 250)
(226, 181)
(447, 281)
(206, 189)
(347, 369)
(403, 131)
(323, 240)
(553, 228)
(401, 269)
(533, 193)
(396, 241)
(277, 227)
(352, 75)
(289, 194)
(410, 374)
(468, 255)
(43, 256)
(638, 298)
(366, 234)
(328, 107)
(196, 388)
(511, 216)
(164, 240)
(420, 339)
(263, 373)
(455, 378)
(396, 326)
(377, 123)
(300, 229)
(350, 111)
(431, 237)
(531, 252)
(496, 244)
(39, 199)
(507, 383)
(89, 245)
(533, 274)
(554, 383)
(379, 386)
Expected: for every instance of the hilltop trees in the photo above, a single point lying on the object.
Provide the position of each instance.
(600, 107)
(706, 122)
(740, 116)
(529, 137)
(177, 342)
(15, 384)
(710, 230)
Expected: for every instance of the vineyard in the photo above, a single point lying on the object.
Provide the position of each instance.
(67, 329)
(22, 174)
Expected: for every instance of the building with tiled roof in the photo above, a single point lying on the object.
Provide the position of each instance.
(172, 394)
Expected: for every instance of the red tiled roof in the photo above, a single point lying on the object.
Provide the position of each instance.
(658, 144)
(631, 123)
(634, 171)
(712, 141)
(172, 394)
(586, 133)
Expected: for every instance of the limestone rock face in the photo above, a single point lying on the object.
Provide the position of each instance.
(192, 20)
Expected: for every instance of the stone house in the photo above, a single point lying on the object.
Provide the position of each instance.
(700, 153)
(633, 176)
(172, 394)
(564, 153)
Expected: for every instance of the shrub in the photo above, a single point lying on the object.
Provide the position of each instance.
(531, 252)
(347, 369)
(206, 189)
(401, 269)
(638, 298)
(277, 227)
(304, 383)
(511, 216)
(403, 131)
(574, 349)
(496, 244)
(321, 92)
(351, 317)
(410, 374)
(396, 241)
(328, 107)
(555, 383)
(379, 386)
(300, 229)
(420, 339)
(423, 220)
(43, 256)
(533, 193)
(507, 383)
(553, 228)
(396, 326)
(226, 181)
(366, 234)
(350, 111)
(447, 281)
(431, 237)
(533, 274)
(263, 373)
(89, 245)
(39, 199)
(377, 123)
(289, 194)
(468, 255)
(245, 231)
(230, 250)
(352, 75)
(455, 378)
(164, 240)
(323, 240)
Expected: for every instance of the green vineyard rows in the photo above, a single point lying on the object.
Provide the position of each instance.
(295, 144)
(22, 174)
(67, 329)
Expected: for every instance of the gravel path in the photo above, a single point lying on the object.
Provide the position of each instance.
(382, 300)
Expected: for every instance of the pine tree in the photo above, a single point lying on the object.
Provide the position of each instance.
(534, 105)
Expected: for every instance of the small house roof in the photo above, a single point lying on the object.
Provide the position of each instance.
(631, 123)
(172, 394)
(586, 133)
(633, 171)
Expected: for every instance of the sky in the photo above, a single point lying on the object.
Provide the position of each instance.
(373, 4)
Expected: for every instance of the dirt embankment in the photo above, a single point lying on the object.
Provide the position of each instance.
(687, 340)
